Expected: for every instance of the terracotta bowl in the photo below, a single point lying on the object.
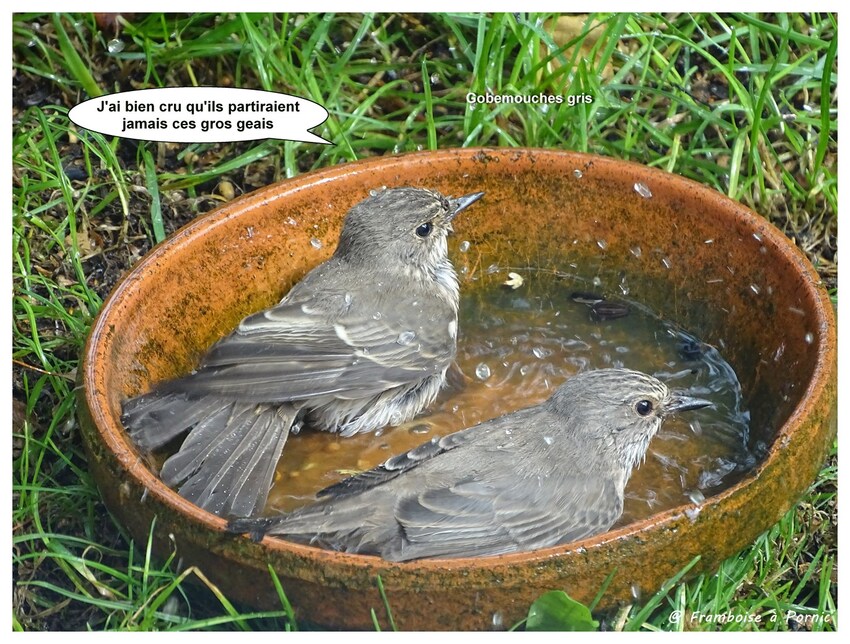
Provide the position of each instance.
(707, 263)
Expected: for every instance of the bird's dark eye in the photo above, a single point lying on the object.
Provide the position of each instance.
(425, 229)
(643, 407)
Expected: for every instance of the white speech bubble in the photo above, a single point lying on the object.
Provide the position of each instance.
(202, 115)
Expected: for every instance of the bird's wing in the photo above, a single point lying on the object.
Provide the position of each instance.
(401, 463)
(308, 347)
(471, 518)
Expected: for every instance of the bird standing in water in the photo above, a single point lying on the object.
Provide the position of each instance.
(549, 474)
(362, 341)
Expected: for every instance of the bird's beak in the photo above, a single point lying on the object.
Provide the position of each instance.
(462, 203)
(678, 401)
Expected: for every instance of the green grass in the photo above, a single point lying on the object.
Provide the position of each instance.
(783, 579)
(745, 104)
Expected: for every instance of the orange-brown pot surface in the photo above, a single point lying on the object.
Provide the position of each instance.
(707, 263)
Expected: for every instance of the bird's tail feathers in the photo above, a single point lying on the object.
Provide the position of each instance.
(255, 528)
(340, 526)
(156, 418)
(227, 463)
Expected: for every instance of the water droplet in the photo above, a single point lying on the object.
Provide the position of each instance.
(548, 440)
(347, 299)
(498, 620)
(696, 497)
(435, 78)
(755, 289)
(621, 349)
(708, 241)
(421, 428)
(809, 337)
(643, 190)
(406, 337)
(377, 315)
(316, 243)
(696, 428)
(693, 513)
(577, 173)
(249, 231)
(492, 268)
(373, 192)
(597, 281)
(31, 42)
(757, 237)
(635, 592)
(540, 352)
(636, 251)
(482, 371)
(523, 370)
(602, 244)
(291, 222)
(666, 262)
(396, 418)
(115, 46)
(464, 246)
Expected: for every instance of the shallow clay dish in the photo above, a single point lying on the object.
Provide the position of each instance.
(692, 255)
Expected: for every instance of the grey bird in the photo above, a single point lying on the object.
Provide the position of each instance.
(549, 474)
(362, 341)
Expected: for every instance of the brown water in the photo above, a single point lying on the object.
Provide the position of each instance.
(515, 346)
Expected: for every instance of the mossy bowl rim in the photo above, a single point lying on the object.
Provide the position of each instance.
(208, 530)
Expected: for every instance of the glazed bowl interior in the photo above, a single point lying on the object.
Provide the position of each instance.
(691, 256)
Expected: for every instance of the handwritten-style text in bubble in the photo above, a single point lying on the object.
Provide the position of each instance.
(202, 115)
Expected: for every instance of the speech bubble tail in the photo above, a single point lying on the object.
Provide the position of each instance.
(309, 137)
